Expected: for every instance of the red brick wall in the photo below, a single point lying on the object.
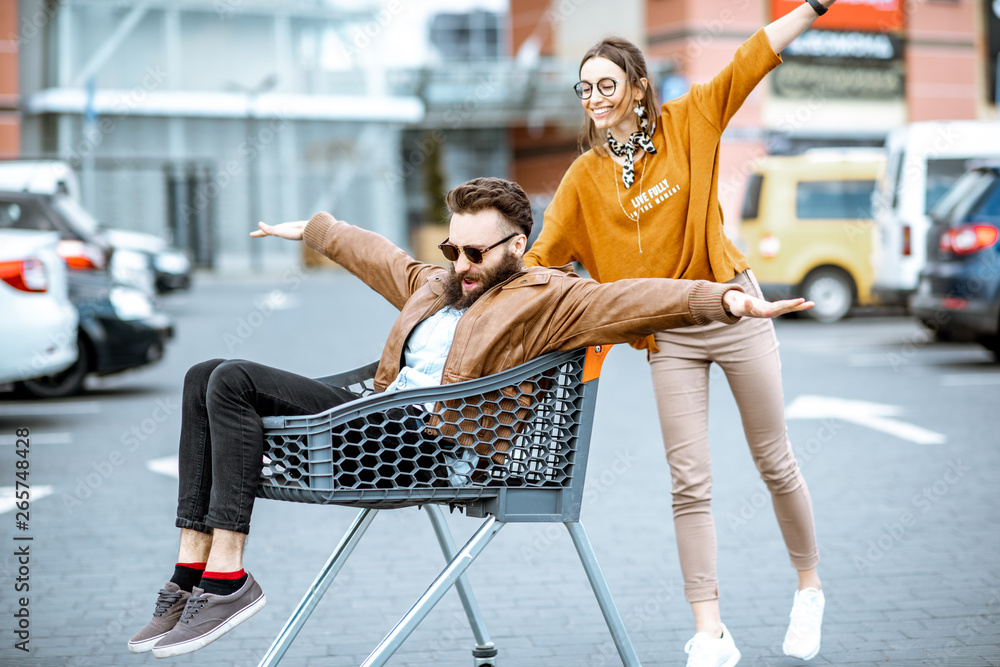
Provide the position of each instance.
(525, 17)
(10, 120)
(943, 59)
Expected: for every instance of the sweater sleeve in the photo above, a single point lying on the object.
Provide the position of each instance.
(554, 245)
(720, 99)
(590, 313)
(371, 257)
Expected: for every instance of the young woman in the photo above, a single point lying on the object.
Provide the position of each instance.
(643, 202)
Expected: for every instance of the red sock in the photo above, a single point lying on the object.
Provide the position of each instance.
(224, 575)
(222, 583)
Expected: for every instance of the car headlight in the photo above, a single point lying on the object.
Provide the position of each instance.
(132, 268)
(171, 262)
(128, 260)
(130, 303)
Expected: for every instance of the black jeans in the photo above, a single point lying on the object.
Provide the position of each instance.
(222, 438)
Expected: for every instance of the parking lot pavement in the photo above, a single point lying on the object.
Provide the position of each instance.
(897, 438)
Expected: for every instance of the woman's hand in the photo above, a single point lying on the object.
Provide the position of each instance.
(741, 304)
(286, 230)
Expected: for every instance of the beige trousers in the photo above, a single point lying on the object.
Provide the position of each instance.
(748, 354)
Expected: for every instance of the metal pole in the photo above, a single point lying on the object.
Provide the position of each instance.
(440, 524)
(253, 182)
(600, 585)
(318, 588)
(459, 564)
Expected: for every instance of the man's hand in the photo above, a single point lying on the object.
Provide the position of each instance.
(286, 230)
(743, 305)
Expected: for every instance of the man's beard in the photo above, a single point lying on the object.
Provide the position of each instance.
(460, 299)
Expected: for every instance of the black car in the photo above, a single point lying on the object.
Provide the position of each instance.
(958, 296)
(171, 266)
(119, 329)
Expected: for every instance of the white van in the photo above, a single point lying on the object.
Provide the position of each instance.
(48, 177)
(922, 161)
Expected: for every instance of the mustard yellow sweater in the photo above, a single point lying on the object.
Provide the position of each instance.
(679, 232)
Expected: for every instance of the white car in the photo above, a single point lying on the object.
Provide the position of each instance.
(38, 332)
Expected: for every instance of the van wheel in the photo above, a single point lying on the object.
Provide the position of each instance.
(832, 291)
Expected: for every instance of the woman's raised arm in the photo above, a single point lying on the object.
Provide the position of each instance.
(783, 31)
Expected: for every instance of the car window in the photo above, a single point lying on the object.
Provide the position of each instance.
(956, 201)
(834, 200)
(987, 207)
(941, 175)
(751, 200)
(76, 216)
(21, 215)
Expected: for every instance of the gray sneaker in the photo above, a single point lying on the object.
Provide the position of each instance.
(208, 616)
(169, 605)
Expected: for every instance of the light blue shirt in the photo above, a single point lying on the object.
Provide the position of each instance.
(426, 351)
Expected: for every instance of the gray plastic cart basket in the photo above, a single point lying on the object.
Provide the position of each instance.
(510, 447)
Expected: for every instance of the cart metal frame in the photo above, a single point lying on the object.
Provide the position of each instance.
(530, 427)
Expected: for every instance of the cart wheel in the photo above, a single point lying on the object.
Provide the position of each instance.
(484, 657)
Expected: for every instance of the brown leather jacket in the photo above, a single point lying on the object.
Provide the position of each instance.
(536, 311)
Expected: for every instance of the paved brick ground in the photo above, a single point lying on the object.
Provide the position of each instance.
(909, 533)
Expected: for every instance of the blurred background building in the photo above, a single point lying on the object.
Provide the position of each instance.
(193, 119)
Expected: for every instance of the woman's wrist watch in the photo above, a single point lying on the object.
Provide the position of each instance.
(820, 9)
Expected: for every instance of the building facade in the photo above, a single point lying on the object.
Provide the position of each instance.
(865, 67)
(196, 118)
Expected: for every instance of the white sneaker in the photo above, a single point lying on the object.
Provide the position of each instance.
(705, 650)
(802, 638)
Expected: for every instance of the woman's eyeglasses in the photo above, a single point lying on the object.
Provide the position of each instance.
(605, 86)
(473, 254)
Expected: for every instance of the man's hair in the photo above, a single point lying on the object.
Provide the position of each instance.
(505, 197)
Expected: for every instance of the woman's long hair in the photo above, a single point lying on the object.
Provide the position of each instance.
(626, 55)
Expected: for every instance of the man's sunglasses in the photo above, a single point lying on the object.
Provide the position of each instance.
(473, 254)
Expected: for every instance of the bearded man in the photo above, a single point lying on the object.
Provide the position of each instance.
(485, 314)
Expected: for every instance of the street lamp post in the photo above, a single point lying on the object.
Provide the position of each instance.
(253, 166)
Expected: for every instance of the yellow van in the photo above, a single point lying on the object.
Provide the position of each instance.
(807, 227)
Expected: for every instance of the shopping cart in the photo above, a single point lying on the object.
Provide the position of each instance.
(510, 447)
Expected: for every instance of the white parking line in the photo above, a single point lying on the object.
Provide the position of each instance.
(39, 439)
(873, 415)
(8, 499)
(47, 409)
(165, 466)
(869, 360)
(970, 380)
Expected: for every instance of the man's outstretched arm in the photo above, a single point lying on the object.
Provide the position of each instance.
(374, 259)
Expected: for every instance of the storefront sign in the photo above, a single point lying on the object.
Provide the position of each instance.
(868, 15)
(808, 79)
(847, 65)
(854, 45)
